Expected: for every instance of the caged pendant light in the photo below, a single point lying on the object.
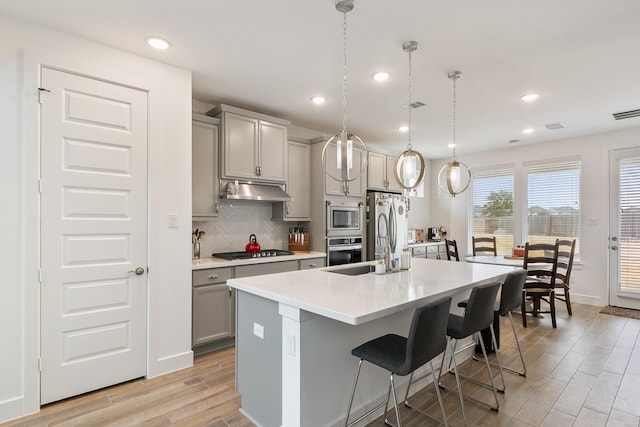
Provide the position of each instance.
(344, 143)
(409, 170)
(451, 177)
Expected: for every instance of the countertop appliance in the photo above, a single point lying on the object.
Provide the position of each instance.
(244, 255)
(433, 234)
(344, 250)
(387, 225)
(411, 236)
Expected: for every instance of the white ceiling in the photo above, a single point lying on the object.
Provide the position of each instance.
(272, 56)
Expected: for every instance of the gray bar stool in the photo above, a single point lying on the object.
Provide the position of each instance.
(478, 315)
(510, 299)
(402, 356)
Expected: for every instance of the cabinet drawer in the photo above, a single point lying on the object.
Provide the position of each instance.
(266, 268)
(420, 251)
(433, 249)
(211, 275)
(306, 264)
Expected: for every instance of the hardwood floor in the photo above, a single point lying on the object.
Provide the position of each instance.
(584, 373)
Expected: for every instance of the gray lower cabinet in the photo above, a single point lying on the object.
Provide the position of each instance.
(214, 302)
(213, 306)
(432, 251)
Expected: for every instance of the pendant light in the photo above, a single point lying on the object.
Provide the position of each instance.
(344, 142)
(409, 170)
(451, 177)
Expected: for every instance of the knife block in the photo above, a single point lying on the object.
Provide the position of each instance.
(300, 246)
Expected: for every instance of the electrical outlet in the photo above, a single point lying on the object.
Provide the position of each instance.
(258, 330)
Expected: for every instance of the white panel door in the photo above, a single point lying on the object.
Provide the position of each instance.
(624, 234)
(93, 234)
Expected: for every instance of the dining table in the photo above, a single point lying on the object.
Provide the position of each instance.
(505, 260)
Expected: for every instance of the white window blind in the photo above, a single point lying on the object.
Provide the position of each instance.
(629, 224)
(553, 202)
(492, 195)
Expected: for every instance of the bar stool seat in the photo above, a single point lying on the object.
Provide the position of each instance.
(402, 356)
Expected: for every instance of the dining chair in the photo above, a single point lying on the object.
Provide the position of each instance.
(540, 261)
(427, 338)
(566, 251)
(484, 244)
(452, 250)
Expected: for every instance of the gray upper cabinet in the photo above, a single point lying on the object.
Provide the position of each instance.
(298, 184)
(381, 173)
(253, 145)
(204, 167)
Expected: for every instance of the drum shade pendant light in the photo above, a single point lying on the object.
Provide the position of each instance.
(344, 143)
(451, 177)
(409, 170)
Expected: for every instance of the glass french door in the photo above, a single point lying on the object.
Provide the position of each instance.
(624, 228)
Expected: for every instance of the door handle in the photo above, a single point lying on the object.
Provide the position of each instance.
(614, 248)
(138, 271)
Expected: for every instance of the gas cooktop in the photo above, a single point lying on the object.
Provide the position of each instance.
(246, 255)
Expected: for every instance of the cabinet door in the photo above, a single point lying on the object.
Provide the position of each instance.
(240, 146)
(392, 183)
(212, 313)
(376, 177)
(298, 181)
(272, 151)
(333, 187)
(204, 169)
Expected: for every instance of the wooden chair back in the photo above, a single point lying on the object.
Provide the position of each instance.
(566, 251)
(541, 262)
(484, 244)
(452, 250)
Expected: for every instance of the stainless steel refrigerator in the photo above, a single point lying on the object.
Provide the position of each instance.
(387, 226)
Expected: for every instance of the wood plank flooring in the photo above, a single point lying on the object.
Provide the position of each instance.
(584, 373)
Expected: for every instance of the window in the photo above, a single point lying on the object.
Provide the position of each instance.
(553, 201)
(492, 196)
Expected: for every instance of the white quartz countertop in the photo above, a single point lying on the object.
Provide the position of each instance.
(362, 298)
(202, 263)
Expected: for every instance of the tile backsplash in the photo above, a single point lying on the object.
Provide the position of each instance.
(230, 231)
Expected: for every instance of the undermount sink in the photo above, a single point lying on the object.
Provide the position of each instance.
(355, 271)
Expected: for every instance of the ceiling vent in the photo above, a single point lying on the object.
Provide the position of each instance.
(626, 114)
(414, 105)
(555, 126)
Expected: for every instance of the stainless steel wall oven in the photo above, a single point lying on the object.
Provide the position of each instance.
(344, 250)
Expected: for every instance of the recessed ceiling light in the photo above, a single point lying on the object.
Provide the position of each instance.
(528, 130)
(318, 100)
(530, 97)
(158, 43)
(404, 128)
(380, 76)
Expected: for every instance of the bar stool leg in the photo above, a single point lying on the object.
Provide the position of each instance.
(495, 345)
(455, 371)
(524, 368)
(353, 393)
(486, 361)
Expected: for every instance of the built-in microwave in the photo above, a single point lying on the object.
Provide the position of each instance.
(344, 218)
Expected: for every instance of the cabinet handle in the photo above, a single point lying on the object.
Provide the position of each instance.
(217, 207)
(230, 292)
(312, 265)
(258, 170)
(287, 205)
(213, 276)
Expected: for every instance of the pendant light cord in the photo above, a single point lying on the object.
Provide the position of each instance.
(344, 75)
(454, 78)
(409, 146)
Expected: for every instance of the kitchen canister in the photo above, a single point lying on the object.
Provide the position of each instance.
(405, 259)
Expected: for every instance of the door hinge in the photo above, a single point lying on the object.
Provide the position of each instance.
(40, 274)
(40, 91)
(40, 364)
(40, 186)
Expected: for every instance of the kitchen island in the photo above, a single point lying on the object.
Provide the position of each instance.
(295, 332)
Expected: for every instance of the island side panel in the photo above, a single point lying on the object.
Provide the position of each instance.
(259, 360)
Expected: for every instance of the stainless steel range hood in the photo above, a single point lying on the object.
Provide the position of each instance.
(249, 190)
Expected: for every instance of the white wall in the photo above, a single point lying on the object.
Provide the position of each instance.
(23, 49)
(589, 279)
